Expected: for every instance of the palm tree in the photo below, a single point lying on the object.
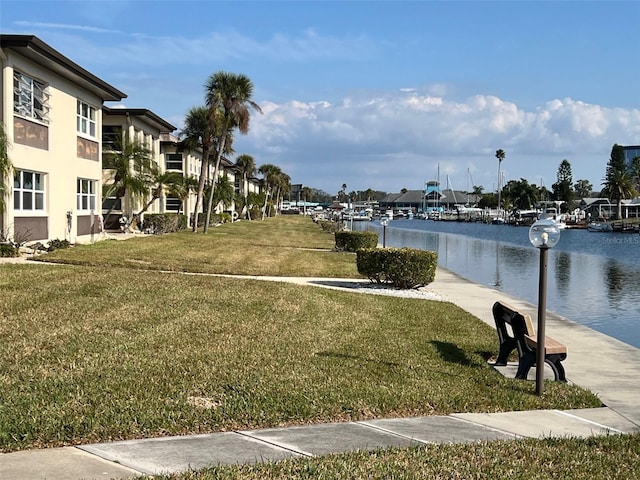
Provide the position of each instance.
(618, 186)
(198, 136)
(230, 95)
(170, 182)
(269, 172)
(634, 171)
(224, 192)
(282, 183)
(189, 185)
(500, 156)
(307, 195)
(6, 167)
(228, 150)
(133, 170)
(247, 167)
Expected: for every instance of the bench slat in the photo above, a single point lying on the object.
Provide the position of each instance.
(551, 346)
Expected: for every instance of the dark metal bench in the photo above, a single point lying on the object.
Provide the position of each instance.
(515, 331)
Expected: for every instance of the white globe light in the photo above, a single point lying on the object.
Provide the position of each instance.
(384, 222)
(544, 234)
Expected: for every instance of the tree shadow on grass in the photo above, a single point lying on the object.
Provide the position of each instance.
(450, 352)
(346, 356)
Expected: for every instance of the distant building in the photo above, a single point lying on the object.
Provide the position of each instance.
(431, 198)
(630, 153)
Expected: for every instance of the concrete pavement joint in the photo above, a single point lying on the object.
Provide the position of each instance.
(599, 425)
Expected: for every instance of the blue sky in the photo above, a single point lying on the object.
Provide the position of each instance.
(380, 95)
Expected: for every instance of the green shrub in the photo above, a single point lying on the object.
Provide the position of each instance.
(330, 226)
(9, 250)
(256, 213)
(353, 241)
(159, 223)
(56, 244)
(401, 267)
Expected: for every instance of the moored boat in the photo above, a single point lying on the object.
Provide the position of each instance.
(599, 227)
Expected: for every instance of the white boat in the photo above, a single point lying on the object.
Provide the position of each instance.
(552, 213)
(599, 227)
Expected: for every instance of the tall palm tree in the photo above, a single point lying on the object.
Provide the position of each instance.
(132, 169)
(227, 144)
(269, 173)
(198, 135)
(618, 186)
(282, 183)
(500, 156)
(247, 167)
(6, 167)
(229, 94)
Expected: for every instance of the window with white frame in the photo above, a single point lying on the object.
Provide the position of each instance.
(86, 194)
(28, 190)
(86, 119)
(30, 97)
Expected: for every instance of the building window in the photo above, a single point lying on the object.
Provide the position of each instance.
(86, 119)
(111, 138)
(28, 190)
(173, 204)
(30, 97)
(86, 194)
(112, 203)
(173, 161)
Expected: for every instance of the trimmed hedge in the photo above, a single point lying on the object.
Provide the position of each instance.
(353, 241)
(401, 267)
(159, 223)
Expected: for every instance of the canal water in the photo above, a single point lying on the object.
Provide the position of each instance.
(593, 278)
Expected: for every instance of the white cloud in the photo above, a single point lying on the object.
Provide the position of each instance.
(399, 139)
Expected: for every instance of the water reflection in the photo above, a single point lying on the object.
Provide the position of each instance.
(592, 278)
(562, 270)
(614, 278)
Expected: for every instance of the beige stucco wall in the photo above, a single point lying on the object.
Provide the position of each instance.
(59, 163)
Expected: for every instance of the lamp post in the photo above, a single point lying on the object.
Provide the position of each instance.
(543, 234)
(384, 222)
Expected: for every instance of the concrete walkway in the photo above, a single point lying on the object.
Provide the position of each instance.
(595, 361)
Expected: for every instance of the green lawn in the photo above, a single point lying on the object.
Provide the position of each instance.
(285, 246)
(603, 458)
(101, 352)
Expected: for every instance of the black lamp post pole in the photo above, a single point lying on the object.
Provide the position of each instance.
(542, 313)
(384, 236)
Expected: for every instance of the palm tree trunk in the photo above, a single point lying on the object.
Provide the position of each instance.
(203, 175)
(215, 175)
(266, 200)
(245, 194)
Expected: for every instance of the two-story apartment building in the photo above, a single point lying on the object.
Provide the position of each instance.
(51, 110)
(146, 128)
(58, 129)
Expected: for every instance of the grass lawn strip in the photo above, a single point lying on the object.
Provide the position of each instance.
(286, 246)
(97, 354)
(597, 458)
